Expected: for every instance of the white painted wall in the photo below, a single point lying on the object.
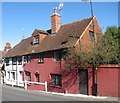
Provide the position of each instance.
(14, 68)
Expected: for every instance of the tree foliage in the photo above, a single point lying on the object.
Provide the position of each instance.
(105, 51)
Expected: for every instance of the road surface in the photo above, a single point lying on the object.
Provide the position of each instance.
(10, 93)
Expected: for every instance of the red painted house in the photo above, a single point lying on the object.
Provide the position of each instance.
(43, 53)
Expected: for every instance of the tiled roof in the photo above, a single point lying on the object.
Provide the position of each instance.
(66, 37)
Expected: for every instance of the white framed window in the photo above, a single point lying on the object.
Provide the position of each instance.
(7, 61)
(19, 59)
(8, 74)
(14, 60)
(41, 58)
(28, 76)
(36, 39)
(21, 75)
(13, 75)
(25, 60)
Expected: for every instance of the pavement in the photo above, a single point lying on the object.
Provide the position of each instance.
(106, 98)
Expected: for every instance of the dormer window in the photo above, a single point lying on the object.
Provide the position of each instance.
(36, 40)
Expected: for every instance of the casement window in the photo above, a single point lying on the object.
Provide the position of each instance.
(36, 40)
(8, 74)
(14, 60)
(21, 75)
(91, 34)
(41, 58)
(25, 59)
(19, 60)
(56, 79)
(37, 78)
(29, 59)
(57, 55)
(7, 61)
(13, 75)
(28, 76)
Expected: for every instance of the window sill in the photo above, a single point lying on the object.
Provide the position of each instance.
(19, 64)
(14, 64)
(55, 86)
(40, 62)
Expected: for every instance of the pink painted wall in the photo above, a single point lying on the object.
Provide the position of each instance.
(45, 69)
(108, 78)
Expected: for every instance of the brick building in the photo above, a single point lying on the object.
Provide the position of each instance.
(40, 57)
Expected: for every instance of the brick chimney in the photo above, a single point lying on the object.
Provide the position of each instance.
(55, 21)
(7, 47)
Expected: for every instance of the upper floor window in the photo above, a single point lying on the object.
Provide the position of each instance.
(58, 55)
(41, 58)
(7, 61)
(27, 59)
(56, 79)
(14, 60)
(19, 60)
(91, 34)
(36, 39)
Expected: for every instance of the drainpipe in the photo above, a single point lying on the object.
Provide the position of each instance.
(96, 81)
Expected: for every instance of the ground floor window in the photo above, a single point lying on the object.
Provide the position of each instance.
(13, 75)
(37, 77)
(56, 79)
(21, 75)
(28, 76)
(8, 74)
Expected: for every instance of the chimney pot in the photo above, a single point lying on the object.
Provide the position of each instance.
(55, 9)
(7, 46)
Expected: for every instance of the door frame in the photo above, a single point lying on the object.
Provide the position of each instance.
(86, 70)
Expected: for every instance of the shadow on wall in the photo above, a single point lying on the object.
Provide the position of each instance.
(69, 81)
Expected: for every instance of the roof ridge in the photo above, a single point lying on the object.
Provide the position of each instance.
(77, 21)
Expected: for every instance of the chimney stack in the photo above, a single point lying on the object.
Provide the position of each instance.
(55, 21)
(7, 47)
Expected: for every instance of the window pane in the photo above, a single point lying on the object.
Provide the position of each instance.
(36, 39)
(41, 58)
(8, 75)
(28, 76)
(56, 79)
(57, 55)
(14, 60)
(7, 61)
(13, 75)
(91, 33)
(19, 60)
(37, 77)
(21, 75)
